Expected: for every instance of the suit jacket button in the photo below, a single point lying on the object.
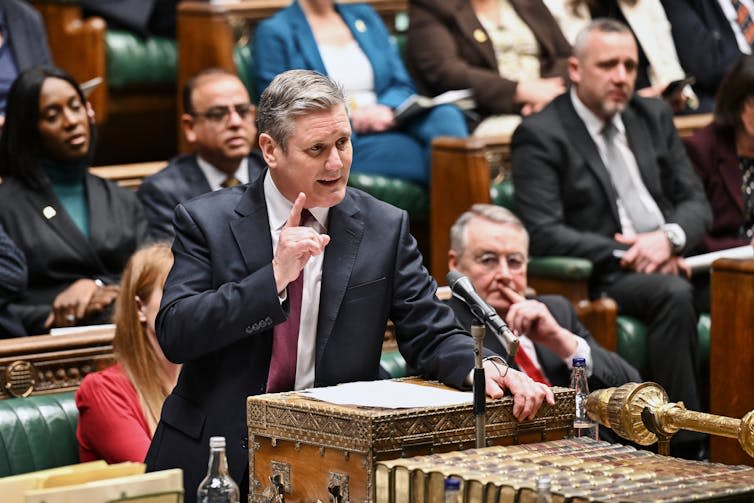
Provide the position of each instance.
(244, 443)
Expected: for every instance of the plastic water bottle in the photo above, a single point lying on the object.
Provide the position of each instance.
(582, 425)
(217, 486)
(452, 490)
(544, 488)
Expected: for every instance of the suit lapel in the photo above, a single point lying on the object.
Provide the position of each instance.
(473, 30)
(346, 229)
(252, 229)
(46, 203)
(305, 41)
(537, 16)
(581, 139)
(196, 182)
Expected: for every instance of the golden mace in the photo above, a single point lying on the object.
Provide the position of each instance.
(640, 412)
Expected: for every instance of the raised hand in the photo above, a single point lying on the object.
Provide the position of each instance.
(295, 246)
(531, 317)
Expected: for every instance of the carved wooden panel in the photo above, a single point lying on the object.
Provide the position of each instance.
(45, 364)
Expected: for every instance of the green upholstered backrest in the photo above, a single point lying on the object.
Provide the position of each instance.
(38, 432)
(136, 61)
(242, 60)
(632, 342)
(394, 364)
(406, 195)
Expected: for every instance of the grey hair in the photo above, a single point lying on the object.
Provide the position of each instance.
(491, 212)
(602, 25)
(293, 94)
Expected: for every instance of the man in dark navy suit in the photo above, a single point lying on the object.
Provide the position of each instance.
(13, 277)
(219, 125)
(296, 244)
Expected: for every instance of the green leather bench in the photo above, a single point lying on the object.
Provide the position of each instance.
(37, 432)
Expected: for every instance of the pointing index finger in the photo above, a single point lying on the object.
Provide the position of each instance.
(294, 218)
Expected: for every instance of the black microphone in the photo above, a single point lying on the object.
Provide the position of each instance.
(462, 288)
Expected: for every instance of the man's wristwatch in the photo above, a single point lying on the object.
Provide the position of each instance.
(675, 238)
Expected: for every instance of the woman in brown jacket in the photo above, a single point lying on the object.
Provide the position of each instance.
(511, 53)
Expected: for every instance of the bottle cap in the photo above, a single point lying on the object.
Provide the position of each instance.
(452, 484)
(579, 362)
(216, 442)
(544, 482)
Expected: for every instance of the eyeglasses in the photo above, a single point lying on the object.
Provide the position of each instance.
(221, 113)
(490, 261)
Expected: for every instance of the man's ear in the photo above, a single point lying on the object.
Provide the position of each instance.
(573, 69)
(268, 146)
(452, 260)
(187, 124)
(140, 309)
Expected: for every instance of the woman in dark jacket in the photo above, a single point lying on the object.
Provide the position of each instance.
(76, 230)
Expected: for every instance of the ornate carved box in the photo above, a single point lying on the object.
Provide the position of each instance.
(312, 450)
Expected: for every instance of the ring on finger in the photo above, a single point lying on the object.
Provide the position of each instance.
(69, 317)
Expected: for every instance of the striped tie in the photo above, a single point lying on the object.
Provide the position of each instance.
(743, 18)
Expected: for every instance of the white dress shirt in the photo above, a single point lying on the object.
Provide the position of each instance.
(215, 177)
(278, 209)
(582, 351)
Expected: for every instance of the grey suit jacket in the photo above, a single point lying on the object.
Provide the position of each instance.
(220, 306)
(182, 179)
(563, 190)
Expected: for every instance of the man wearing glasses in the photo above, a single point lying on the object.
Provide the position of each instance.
(219, 125)
(490, 245)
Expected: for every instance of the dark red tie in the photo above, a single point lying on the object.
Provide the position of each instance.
(282, 375)
(524, 363)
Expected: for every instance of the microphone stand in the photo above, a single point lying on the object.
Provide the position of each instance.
(480, 397)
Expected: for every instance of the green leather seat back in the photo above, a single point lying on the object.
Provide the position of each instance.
(632, 342)
(136, 61)
(394, 364)
(502, 194)
(242, 60)
(406, 195)
(38, 432)
(703, 327)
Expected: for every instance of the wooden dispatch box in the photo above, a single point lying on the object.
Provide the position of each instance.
(313, 449)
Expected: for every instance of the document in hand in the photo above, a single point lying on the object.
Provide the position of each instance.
(416, 104)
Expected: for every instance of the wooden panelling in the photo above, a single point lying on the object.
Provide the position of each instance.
(731, 351)
(43, 364)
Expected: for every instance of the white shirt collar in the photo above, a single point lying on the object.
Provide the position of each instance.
(215, 177)
(278, 207)
(594, 124)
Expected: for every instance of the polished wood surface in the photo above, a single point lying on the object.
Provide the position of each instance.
(731, 354)
(128, 175)
(43, 364)
(77, 46)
